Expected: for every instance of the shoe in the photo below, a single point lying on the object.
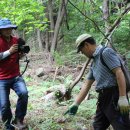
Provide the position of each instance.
(18, 124)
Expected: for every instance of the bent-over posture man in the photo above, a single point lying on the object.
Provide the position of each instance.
(112, 105)
(10, 77)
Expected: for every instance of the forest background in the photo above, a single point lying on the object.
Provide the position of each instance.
(50, 28)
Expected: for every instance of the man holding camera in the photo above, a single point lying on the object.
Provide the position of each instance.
(10, 78)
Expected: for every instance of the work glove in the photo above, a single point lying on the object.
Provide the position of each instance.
(123, 105)
(72, 110)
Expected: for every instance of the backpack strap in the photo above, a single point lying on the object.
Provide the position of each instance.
(101, 58)
(123, 67)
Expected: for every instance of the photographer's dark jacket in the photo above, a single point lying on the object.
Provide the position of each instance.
(9, 67)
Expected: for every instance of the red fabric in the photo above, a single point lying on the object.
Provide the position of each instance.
(9, 67)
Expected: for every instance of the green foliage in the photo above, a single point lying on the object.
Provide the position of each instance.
(87, 109)
(122, 32)
(121, 38)
(27, 79)
(67, 56)
(58, 59)
(82, 24)
(27, 14)
(68, 80)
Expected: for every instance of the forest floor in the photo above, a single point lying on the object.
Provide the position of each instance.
(45, 112)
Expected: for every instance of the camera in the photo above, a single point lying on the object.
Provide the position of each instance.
(22, 47)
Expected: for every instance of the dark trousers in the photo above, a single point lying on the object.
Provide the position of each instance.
(108, 113)
(18, 85)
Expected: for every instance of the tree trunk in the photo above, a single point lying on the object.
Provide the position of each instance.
(47, 42)
(58, 24)
(39, 40)
(106, 19)
(106, 14)
(51, 19)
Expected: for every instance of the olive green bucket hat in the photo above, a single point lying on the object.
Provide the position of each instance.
(80, 39)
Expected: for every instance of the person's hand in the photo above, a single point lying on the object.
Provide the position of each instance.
(72, 110)
(13, 48)
(123, 105)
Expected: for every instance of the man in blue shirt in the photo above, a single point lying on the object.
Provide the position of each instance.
(112, 106)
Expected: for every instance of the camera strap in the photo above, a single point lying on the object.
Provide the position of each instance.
(27, 61)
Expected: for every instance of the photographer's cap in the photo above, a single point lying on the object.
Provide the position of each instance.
(6, 23)
(81, 38)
